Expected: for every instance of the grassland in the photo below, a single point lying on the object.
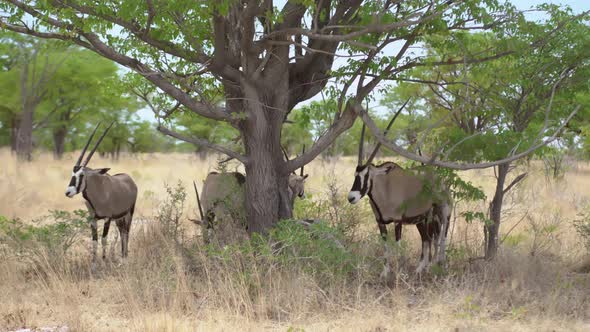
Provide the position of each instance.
(534, 284)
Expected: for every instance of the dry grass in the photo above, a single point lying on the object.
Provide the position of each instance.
(164, 287)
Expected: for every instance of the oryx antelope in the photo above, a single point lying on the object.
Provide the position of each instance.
(403, 196)
(107, 197)
(222, 202)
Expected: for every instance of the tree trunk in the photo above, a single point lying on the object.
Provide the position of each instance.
(59, 139)
(492, 230)
(267, 196)
(24, 139)
(15, 123)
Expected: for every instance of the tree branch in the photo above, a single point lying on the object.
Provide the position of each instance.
(453, 165)
(203, 142)
(514, 182)
(341, 125)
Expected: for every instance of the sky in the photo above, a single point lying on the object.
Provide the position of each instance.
(578, 6)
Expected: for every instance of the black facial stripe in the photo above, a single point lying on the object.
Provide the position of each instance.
(366, 186)
(79, 182)
(72, 182)
(356, 186)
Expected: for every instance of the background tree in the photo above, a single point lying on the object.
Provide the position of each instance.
(31, 65)
(491, 108)
(63, 88)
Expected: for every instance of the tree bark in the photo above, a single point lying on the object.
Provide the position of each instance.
(15, 124)
(492, 230)
(24, 139)
(267, 197)
(59, 140)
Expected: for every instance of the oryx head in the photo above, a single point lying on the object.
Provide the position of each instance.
(364, 172)
(297, 181)
(80, 171)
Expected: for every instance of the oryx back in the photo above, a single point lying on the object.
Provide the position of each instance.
(110, 196)
(223, 202)
(401, 194)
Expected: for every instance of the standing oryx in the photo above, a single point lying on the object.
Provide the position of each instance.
(222, 204)
(404, 197)
(107, 197)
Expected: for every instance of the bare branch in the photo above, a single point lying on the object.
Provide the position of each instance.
(345, 121)
(514, 182)
(203, 142)
(453, 165)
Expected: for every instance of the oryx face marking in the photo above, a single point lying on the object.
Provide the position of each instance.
(361, 184)
(297, 185)
(77, 183)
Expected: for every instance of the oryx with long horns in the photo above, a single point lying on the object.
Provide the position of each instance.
(404, 196)
(109, 197)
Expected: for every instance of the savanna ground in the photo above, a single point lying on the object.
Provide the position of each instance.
(172, 282)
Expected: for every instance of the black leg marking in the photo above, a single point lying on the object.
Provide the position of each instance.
(422, 229)
(94, 230)
(398, 231)
(123, 232)
(383, 230)
(105, 233)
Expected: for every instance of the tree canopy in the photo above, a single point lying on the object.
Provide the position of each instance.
(250, 63)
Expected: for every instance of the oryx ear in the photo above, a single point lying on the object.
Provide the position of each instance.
(102, 171)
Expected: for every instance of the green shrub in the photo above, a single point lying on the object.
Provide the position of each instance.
(333, 207)
(582, 225)
(170, 212)
(315, 250)
(50, 236)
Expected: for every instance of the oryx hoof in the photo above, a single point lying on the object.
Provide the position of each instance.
(386, 273)
(423, 265)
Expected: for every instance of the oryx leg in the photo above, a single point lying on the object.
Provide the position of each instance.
(382, 230)
(398, 232)
(426, 240)
(386, 266)
(128, 220)
(105, 233)
(443, 215)
(123, 232)
(94, 229)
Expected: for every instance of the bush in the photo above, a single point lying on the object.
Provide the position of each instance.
(52, 240)
(170, 212)
(582, 225)
(315, 251)
(333, 208)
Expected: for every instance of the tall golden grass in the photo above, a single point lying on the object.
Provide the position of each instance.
(532, 285)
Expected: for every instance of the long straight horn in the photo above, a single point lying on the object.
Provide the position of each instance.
(87, 144)
(98, 143)
(361, 152)
(199, 202)
(286, 156)
(285, 153)
(374, 153)
(302, 153)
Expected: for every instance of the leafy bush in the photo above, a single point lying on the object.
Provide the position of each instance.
(315, 250)
(53, 239)
(582, 225)
(170, 212)
(333, 208)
